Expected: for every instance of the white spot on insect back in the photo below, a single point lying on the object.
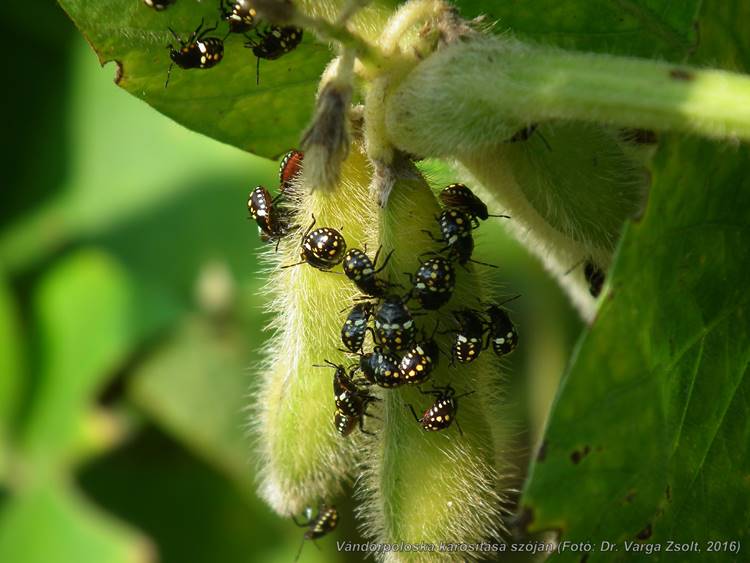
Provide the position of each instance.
(202, 47)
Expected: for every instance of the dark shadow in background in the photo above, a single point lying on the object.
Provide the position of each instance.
(36, 67)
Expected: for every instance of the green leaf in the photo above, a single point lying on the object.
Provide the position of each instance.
(223, 102)
(116, 180)
(649, 435)
(90, 317)
(650, 431)
(196, 387)
(11, 369)
(53, 523)
(645, 28)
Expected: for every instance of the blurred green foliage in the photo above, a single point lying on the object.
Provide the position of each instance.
(131, 324)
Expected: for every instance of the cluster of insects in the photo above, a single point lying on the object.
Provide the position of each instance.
(400, 353)
(201, 50)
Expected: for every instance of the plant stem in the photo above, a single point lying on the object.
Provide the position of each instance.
(632, 92)
(368, 54)
(479, 92)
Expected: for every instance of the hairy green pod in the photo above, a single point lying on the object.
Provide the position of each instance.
(569, 189)
(434, 487)
(303, 460)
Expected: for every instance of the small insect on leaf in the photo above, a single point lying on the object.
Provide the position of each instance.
(198, 51)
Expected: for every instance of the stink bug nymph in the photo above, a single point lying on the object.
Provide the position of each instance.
(456, 232)
(468, 341)
(198, 51)
(322, 248)
(361, 270)
(344, 424)
(381, 368)
(394, 325)
(259, 206)
(434, 282)
(273, 43)
(324, 523)
(443, 411)
(419, 362)
(594, 276)
(349, 398)
(355, 327)
(289, 169)
(273, 222)
(502, 332)
(239, 14)
(460, 197)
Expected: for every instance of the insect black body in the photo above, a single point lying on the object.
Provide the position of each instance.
(502, 333)
(273, 43)
(443, 411)
(260, 207)
(468, 342)
(381, 368)
(291, 166)
(273, 221)
(158, 5)
(355, 327)
(324, 523)
(361, 270)
(239, 14)
(350, 399)
(394, 326)
(419, 362)
(454, 226)
(458, 196)
(197, 52)
(322, 248)
(523, 134)
(456, 232)
(434, 283)
(594, 276)
(345, 424)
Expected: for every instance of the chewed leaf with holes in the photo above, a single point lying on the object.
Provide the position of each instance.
(644, 28)
(649, 439)
(223, 102)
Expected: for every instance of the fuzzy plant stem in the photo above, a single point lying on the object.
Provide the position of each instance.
(480, 91)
